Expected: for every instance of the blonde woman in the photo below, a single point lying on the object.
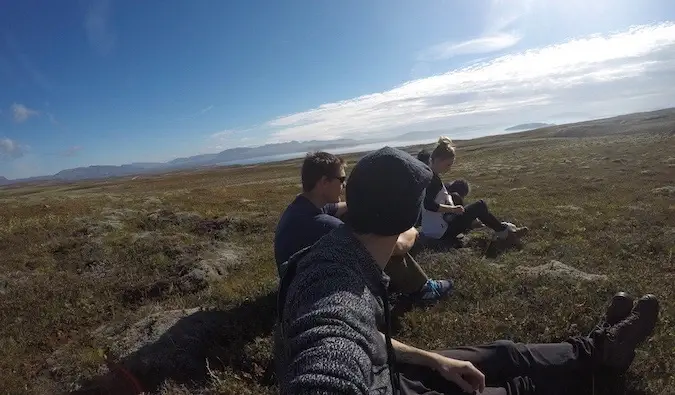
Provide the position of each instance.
(444, 219)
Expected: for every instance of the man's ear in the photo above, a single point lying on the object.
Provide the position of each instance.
(322, 180)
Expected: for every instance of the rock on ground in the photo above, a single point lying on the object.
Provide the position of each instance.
(215, 266)
(557, 269)
(668, 190)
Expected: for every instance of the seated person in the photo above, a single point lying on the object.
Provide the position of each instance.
(459, 219)
(314, 213)
(424, 156)
(334, 326)
(458, 190)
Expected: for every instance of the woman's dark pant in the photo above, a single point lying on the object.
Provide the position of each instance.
(512, 369)
(461, 223)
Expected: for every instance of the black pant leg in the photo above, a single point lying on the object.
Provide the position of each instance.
(555, 368)
(425, 381)
(477, 210)
(551, 368)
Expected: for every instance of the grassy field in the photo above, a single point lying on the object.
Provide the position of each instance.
(93, 273)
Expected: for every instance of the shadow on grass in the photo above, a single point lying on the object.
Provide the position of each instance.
(187, 351)
(486, 246)
(492, 248)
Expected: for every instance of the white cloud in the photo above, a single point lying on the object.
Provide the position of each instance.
(21, 113)
(232, 138)
(206, 109)
(599, 74)
(489, 43)
(97, 26)
(499, 16)
(9, 149)
(223, 133)
(503, 14)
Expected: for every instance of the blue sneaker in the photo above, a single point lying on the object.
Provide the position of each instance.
(435, 290)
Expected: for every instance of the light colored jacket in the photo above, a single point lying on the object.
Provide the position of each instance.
(433, 223)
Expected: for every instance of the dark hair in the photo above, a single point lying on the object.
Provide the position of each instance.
(444, 149)
(424, 156)
(460, 187)
(317, 165)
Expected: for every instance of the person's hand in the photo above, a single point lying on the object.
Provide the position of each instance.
(477, 224)
(462, 373)
(458, 210)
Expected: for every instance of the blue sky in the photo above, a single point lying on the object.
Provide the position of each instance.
(112, 82)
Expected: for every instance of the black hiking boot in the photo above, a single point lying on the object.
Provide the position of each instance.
(617, 343)
(618, 309)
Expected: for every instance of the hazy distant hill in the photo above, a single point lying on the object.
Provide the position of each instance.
(527, 126)
(226, 156)
(240, 153)
(659, 121)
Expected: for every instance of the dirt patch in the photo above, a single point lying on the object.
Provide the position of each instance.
(557, 269)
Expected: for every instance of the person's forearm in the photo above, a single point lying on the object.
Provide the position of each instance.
(405, 242)
(446, 208)
(413, 355)
(341, 209)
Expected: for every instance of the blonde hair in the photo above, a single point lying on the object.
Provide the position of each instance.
(444, 149)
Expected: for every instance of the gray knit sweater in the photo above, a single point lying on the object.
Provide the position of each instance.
(327, 340)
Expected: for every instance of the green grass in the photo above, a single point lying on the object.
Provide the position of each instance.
(79, 256)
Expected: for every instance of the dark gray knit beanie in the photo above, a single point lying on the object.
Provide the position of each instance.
(385, 191)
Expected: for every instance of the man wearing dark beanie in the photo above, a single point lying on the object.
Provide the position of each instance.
(386, 172)
(333, 334)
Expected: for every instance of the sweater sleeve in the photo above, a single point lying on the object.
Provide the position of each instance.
(327, 337)
(434, 187)
(330, 209)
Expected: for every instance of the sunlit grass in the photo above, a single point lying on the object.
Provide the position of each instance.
(78, 256)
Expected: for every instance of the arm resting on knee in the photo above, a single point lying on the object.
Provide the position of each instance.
(405, 241)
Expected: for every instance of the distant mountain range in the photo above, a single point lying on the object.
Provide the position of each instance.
(527, 126)
(228, 156)
(658, 120)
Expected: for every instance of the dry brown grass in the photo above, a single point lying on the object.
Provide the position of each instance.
(77, 256)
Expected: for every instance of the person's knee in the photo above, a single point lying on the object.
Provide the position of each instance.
(504, 349)
(481, 206)
(504, 345)
(510, 354)
(457, 199)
